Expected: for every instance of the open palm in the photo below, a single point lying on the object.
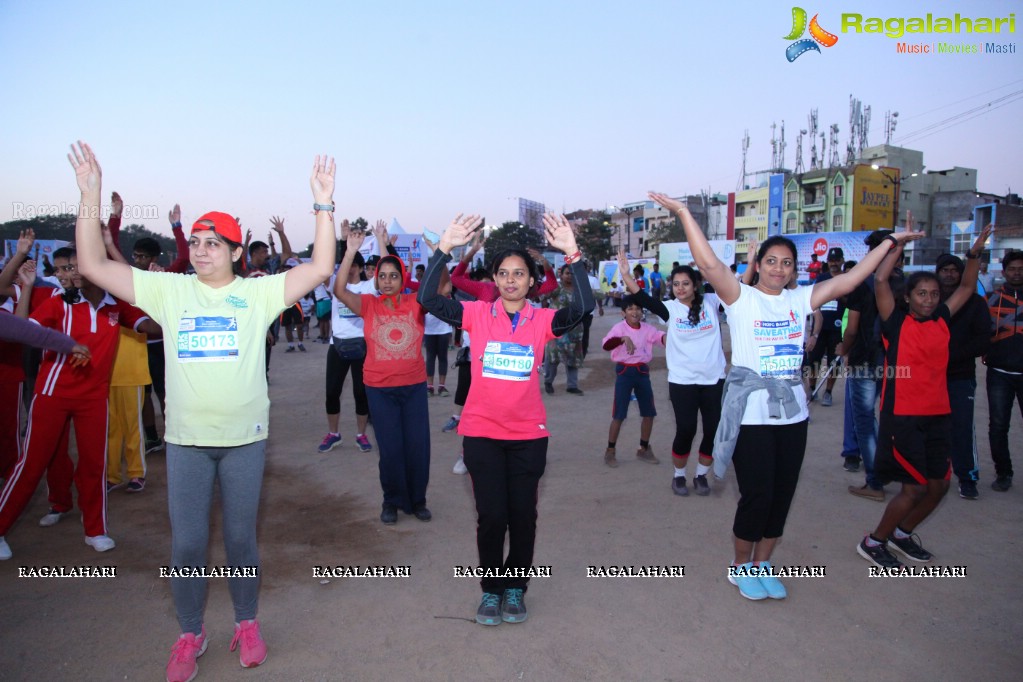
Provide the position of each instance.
(322, 180)
(87, 170)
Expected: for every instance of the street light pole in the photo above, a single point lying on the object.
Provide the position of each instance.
(628, 211)
(897, 183)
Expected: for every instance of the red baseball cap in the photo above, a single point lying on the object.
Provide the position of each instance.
(221, 223)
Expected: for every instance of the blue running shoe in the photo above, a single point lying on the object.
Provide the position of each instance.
(513, 608)
(489, 612)
(771, 584)
(330, 441)
(746, 579)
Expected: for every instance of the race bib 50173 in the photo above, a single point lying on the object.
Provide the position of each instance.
(208, 339)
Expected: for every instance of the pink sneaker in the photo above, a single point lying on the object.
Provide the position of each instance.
(253, 651)
(182, 666)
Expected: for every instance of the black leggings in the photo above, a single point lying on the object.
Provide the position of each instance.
(687, 400)
(436, 346)
(337, 370)
(505, 482)
(464, 381)
(767, 461)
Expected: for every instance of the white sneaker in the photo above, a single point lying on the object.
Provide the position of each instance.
(5, 550)
(460, 467)
(100, 543)
(51, 518)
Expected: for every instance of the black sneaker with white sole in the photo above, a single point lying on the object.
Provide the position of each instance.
(878, 555)
(910, 548)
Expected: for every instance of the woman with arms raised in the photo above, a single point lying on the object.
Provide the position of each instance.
(217, 403)
(763, 414)
(504, 423)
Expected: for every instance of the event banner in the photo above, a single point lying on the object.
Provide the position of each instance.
(608, 272)
(821, 243)
(43, 247)
(679, 252)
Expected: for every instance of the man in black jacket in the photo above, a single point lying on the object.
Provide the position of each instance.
(1005, 364)
(970, 333)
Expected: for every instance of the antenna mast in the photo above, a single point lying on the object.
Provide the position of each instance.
(745, 150)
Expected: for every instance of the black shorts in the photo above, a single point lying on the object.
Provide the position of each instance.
(292, 316)
(913, 449)
(827, 342)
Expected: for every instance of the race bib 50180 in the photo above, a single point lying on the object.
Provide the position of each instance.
(507, 361)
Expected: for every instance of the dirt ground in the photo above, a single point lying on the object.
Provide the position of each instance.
(322, 510)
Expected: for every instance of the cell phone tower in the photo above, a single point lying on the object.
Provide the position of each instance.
(891, 119)
(834, 159)
(799, 152)
(745, 150)
(774, 146)
(815, 161)
(781, 149)
(851, 153)
(864, 129)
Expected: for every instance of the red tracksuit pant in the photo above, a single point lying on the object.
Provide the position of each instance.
(61, 471)
(47, 422)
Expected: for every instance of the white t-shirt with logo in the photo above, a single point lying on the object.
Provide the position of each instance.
(435, 327)
(344, 324)
(694, 352)
(767, 337)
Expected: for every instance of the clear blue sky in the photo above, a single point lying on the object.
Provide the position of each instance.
(433, 108)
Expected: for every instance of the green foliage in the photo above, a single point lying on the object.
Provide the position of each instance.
(62, 227)
(666, 233)
(132, 233)
(513, 235)
(594, 239)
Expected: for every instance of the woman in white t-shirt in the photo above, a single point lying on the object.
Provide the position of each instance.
(217, 404)
(696, 367)
(436, 338)
(764, 417)
(347, 353)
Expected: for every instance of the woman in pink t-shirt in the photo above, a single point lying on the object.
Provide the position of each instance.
(504, 421)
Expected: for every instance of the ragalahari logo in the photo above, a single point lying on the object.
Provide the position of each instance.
(819, 35)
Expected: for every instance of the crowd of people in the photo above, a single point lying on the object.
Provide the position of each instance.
(912, 341)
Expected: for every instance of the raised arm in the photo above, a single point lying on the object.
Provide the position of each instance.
(93, 263)
(643, 298)
(180, 263)
(302, 279)
(833, 288)
(110, 241)
(711, 267)
(968, 285)
(429, 296)
(751, 262)
(21, 252)
(352, 300)
(26, 280)
(882, 289)
(278, 227)
(561, 236)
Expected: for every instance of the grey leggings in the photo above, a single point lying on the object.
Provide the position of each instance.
(191, 473)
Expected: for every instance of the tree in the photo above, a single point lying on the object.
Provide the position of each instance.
(62, 227)
(513, 235)
(667, 233)
(594, 239)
